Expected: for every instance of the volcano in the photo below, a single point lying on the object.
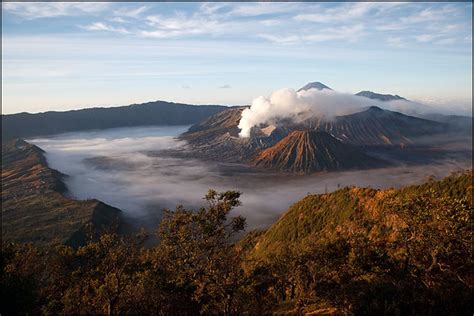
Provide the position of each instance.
(313, 151)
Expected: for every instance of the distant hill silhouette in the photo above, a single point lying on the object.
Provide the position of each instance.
(379, 96)
(152, 113)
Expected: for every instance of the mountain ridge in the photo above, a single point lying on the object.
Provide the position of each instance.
(379, 96)
(34, 207)
(24, 125)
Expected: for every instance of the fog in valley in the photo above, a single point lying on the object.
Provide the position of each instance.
(127, 168)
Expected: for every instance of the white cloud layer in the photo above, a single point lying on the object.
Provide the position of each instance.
(124, 168)
(36, 10)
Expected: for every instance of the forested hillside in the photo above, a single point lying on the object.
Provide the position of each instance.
(354, 251)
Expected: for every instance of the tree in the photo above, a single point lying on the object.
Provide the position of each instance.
(197, 250)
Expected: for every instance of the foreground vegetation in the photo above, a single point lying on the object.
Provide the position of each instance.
(354, 251)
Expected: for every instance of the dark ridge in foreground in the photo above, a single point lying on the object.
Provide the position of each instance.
(34, 208)
(24, 125)
(313, 151)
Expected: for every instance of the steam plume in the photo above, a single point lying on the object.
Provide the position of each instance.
(297, 106)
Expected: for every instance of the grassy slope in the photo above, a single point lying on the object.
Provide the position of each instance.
(319, 214)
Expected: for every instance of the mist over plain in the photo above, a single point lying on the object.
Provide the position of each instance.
(127, 168)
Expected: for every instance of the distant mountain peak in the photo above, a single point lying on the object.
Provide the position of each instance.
(314, 85)
(379, 96)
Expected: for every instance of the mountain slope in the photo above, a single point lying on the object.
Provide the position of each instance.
(311, 151)
(217, 138)
(23, 125)
(379, 96)
(33, 206)
(374, 127)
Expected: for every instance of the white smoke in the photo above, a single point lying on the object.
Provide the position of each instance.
(297, 106)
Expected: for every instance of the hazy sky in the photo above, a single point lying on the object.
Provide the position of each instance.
(59, 56)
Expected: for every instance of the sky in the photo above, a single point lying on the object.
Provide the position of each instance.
(61, 56)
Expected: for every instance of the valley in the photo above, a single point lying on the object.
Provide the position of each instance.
(136, 170)
(237, 158)
(144, 169)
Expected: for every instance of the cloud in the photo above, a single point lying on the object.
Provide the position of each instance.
(446, 41)
(262, 8)
(438, 39)
(130, 13)
(346, 12)
(395, 42)
(349, 11)
(347, 33)
(179, 25)
(118, 19)
(429, 14)
(36, 10)
(287, 103)
(210, 8)
(100, 26)
(271, 22)
(425, 38)
(395, 26)
(226, 86)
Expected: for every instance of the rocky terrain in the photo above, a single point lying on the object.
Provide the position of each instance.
(34, 207)
(310, 151)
